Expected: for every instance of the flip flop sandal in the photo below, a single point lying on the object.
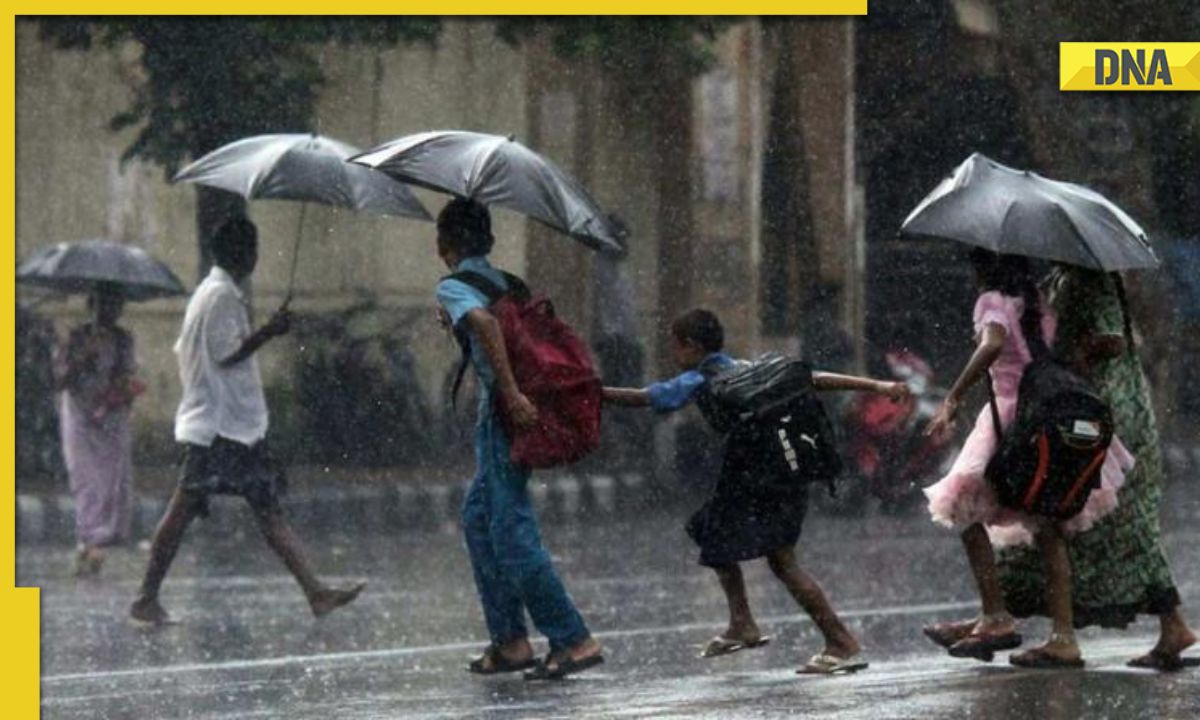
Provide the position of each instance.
(826, 664)
(1042, 660)
(544, 671)
(1162, 662)
(946, 634)
(491, 662)
(721, 645)
(983, 647)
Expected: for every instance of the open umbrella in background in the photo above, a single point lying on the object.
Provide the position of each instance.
(498, 170)
(84, 266)
(303, 167)
(1015, 212)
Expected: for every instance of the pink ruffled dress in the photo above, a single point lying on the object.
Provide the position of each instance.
(963, 497)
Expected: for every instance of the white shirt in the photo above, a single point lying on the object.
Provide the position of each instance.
(228, 402)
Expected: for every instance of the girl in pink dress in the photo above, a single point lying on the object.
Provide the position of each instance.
(1011, 326)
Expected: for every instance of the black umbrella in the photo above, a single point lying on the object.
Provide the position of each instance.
(81, 267)
(498, 170)
(307, 168)
(989, 205)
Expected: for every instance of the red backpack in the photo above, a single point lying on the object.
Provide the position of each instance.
(552, 367)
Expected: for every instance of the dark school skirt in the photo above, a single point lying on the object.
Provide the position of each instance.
(231, 468)
(752, 511)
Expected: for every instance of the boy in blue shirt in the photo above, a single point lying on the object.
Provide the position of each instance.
(752, 513)
(513, 572)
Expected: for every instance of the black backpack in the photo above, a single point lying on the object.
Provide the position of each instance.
(770, 405)
(1048, 462)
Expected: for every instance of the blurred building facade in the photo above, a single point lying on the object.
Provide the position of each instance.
(680, 158)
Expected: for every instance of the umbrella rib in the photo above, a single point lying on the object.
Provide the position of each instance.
(1079, 237)
(478, 171)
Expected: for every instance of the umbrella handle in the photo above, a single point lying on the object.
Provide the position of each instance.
(296, 254)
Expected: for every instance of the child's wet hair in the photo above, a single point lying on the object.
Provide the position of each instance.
(701, 327)
(1012, 275)
(466, 226)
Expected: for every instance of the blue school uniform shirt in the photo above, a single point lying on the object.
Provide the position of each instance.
(458, 298)
(673, 394)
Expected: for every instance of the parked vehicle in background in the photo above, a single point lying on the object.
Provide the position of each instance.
(887, 456)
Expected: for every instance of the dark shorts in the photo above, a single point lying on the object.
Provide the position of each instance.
(230, 468)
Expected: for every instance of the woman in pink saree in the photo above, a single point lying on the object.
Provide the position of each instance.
(95, 372)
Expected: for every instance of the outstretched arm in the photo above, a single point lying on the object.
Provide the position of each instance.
(626, 397)
(834, 381)
(486, 329)
(991, 342)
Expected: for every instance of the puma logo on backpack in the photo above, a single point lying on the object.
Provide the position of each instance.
(770, 405)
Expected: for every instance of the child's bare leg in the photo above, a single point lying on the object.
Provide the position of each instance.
(287, 546)
(839, 641)
(995, 618)
(741, 621)
(1058, 592)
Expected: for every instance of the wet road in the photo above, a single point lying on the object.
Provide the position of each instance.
(245, 646)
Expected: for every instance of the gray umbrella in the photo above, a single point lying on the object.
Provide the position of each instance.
(80, 267)
(989, 205)
(307, 168)
(497, 170)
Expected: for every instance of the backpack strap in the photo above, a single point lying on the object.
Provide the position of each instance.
(493, 292)
(480, 282)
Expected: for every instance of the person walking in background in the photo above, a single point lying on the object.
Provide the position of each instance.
(222, 423)
(755, 511)
(513, 571)
(95, 372)
(1119, 567)
(1012, 327)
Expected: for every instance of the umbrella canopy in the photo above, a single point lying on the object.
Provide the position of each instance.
(497, 170)
(81, 267)
(307, 168)
(989, 205)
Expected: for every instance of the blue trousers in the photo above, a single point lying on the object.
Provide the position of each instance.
(513, 572)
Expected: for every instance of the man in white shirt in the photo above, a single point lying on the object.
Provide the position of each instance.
(222, 422)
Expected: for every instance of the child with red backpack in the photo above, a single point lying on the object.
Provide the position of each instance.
(758, 506)
(513, 572)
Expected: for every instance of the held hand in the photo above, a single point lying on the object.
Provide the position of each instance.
(521, 411)
(943, 422)
(896, 391)
(280, 323)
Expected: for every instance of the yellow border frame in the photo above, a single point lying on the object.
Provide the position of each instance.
(20, 607)
(467, 7)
